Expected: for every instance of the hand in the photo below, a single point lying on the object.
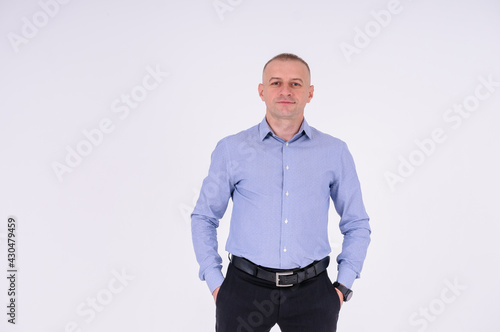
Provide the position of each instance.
(216, 291)
(341, 296)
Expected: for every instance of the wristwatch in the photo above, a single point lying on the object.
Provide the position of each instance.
(346, 292)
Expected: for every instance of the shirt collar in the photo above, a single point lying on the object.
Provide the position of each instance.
(265, 130)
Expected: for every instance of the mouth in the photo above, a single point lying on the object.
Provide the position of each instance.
(285, 102)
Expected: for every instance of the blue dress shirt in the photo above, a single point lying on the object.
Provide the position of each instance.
(281, 194)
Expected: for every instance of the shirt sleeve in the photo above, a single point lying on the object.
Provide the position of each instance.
(346, 195)
(210, 208)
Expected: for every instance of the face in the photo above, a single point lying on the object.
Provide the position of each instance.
(286, 89)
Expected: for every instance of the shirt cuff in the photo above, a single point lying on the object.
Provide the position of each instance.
(346, 276)
(214, 279)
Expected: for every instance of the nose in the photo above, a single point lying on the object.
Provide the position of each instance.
(285, 90)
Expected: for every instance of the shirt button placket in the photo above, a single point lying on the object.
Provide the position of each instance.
(284, 232)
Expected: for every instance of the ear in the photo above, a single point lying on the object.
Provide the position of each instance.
(261, 91)
(311, 93)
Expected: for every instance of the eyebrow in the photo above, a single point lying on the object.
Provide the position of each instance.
(279, 78)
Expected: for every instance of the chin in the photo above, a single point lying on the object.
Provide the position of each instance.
(286, 111)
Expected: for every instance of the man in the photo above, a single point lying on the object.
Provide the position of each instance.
(280, 175)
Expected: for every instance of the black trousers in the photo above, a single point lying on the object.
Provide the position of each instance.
(248, 304)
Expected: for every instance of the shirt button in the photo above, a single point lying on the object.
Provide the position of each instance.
(286, 221)
(284, 250)
(286, 193)
(286, 144)
(287, 167)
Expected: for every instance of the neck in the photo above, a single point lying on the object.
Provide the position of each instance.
(284, 128)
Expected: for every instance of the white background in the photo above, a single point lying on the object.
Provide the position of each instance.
(125, 207)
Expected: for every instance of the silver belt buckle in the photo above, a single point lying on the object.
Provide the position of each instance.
(278, 274)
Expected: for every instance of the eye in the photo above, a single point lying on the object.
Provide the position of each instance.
(296, 84)
(275, 83)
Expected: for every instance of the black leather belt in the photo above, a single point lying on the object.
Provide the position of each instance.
(282, 278)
